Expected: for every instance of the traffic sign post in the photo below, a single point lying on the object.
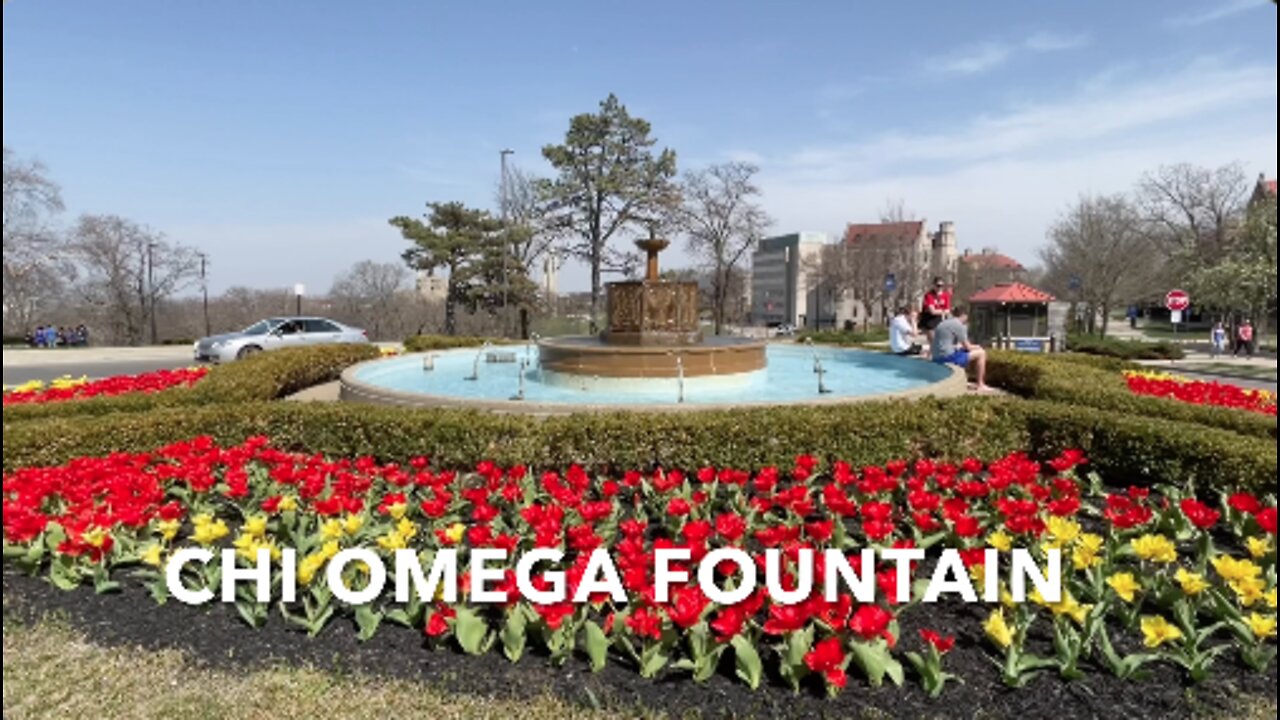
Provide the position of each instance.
(1177, 301)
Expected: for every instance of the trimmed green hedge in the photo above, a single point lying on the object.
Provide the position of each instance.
(424, 343)
(843, 337)
(1124, 449)
(1125, 349)
(265, 376)
(1099, 383)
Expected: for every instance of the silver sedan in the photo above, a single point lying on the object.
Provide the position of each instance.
(273, 334)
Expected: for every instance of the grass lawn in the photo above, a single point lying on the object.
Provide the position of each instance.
(50, 671)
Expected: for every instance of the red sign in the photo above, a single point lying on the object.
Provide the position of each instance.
(1177, 300)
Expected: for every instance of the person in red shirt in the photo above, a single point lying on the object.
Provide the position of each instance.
(936, 307)
(1244, 339)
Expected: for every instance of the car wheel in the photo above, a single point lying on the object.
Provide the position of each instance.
(248, 351)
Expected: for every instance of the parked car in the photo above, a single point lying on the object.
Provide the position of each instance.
(273, 334)
(784, 330)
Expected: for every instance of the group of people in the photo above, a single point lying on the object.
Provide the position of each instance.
(1244, 339)
(49, 336)
(944, 328)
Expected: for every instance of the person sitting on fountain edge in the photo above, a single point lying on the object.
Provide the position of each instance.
(950, 345)
(902, 332)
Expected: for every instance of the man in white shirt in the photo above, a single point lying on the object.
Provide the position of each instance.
(902, 331)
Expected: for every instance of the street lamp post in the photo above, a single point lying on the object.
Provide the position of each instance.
(151, 288)
(204, 291)
(506, 249)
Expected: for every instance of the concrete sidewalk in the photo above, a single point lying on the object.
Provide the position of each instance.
(43, 357)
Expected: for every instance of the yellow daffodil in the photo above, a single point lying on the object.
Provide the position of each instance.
(1156, 548)
(352, 524)
(1263, 626)
(1157, 631)
(152, 555)
(455, 532)
(208, 530)
(1258, 547)
(168, 528)
(1125, 585)
(1192, 583)
(998, 630)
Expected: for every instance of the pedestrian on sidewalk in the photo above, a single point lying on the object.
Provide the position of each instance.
(1218, 340)
(1244, 339)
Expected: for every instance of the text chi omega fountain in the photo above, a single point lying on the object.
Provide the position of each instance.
(652, 332)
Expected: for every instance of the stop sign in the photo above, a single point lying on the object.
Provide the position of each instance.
(1177, 300)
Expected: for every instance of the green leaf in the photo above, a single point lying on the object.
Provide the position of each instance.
(514, 634)
(746, 661)
(597, 645)
(367, 619)
(470, 629)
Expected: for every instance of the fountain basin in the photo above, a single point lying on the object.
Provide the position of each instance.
(596, 358)
(787, 379)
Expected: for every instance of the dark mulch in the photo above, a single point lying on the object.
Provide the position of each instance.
(216, 636)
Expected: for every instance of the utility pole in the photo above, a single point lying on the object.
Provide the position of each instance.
(151, 288)
(506, 239)
(204, 290)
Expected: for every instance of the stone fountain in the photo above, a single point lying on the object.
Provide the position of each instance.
(652, 332)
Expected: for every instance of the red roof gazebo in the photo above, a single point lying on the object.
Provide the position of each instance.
(1014, 313)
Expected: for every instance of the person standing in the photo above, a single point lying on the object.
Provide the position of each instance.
(1217, 339)
(936, 306)
(1244, 339)
(902, 332)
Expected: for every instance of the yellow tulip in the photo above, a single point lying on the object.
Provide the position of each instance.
(168, 528)
(1125, 585)
(288, 502)
(1233, 570)
(392, 541)
(255, 526)
(1249, 590)
(397, 510)
(407, 528)
(1000, 540)
(331, 529)
(1156, 548)
(1192, 583)
(1156, 631)
(352, 524)
(152, 555)
(208, 530)
(998, 630)
(1064, 531)
(1270, 597)
(455, 532)
(1263, 626)
(1258, 547)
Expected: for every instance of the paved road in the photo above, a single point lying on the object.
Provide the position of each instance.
(16, 375)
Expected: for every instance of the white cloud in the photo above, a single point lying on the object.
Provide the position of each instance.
(1217, 11)
(972, 60)
(1004, 176)
(1054, 42)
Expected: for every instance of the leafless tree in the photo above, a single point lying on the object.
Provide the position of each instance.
(369, 293)
(723, 223)
(895, 210)
(113, 254)
(1101, 240)
(1193, 210)
(34, 267)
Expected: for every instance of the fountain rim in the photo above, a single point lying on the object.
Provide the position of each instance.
(354, 390)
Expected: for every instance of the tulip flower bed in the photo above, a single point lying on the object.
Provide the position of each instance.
(1183, 581)
(62, 389)
(1199, 392)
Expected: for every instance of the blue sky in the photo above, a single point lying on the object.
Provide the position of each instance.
(280, 136)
